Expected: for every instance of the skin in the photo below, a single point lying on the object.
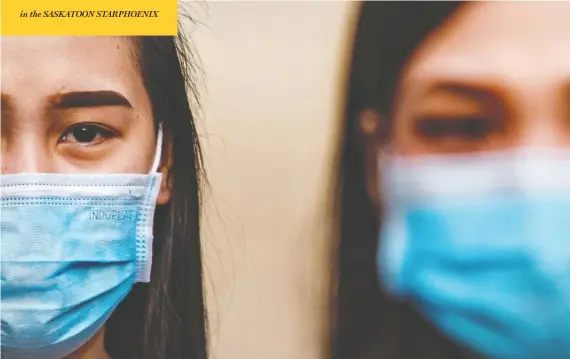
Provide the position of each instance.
(45, 130)
(500, 69)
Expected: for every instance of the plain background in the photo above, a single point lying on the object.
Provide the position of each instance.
(271, 95)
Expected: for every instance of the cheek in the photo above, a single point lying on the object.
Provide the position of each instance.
(135, 157)
(134, 151)
(138, 146)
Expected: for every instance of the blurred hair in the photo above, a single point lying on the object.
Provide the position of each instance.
(166, 318)
(366, 322)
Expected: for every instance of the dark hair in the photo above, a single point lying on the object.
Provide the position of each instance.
(366, 322)
(166, 319)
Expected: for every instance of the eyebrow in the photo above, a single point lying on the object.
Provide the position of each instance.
(475, 90)
(82, 99)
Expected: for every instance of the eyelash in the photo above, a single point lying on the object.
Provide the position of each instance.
(464, 128)
(102, 133)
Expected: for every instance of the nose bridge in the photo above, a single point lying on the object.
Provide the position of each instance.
(23, 153)
(543, 123)
(545, 131)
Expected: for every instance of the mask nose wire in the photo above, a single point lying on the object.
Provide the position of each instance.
(158, 153)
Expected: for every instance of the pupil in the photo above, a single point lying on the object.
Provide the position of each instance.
(84, 134)
(473, 128)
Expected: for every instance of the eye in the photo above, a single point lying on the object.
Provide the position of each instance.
(464, 129)
(86, 134)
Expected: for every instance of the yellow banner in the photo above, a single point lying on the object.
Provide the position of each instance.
(89, 17)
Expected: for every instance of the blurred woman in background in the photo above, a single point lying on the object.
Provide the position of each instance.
(453, 188)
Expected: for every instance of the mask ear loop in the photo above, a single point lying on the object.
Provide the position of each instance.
(158, 153)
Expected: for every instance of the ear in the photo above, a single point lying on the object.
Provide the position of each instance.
(165, 166)
(370, 124)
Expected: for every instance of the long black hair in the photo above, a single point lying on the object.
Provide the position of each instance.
(166, 318)
(367, 323)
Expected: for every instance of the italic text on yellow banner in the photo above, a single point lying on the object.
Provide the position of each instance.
(89, 17)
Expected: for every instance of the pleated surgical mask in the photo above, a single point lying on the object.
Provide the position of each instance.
(480, 244)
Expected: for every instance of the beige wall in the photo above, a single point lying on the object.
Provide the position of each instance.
(273, 73)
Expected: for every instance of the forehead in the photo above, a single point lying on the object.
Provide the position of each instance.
(40, 65)
(508, 38)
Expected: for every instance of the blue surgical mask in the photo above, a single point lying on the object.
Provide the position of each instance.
(480, 244)
(72, 246)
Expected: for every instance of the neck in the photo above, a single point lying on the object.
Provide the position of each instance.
(93, 349)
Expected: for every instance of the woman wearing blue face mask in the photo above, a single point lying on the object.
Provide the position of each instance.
(454, 184)
(101, 177)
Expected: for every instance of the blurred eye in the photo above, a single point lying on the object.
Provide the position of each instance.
(86, 134)
(464, 129)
